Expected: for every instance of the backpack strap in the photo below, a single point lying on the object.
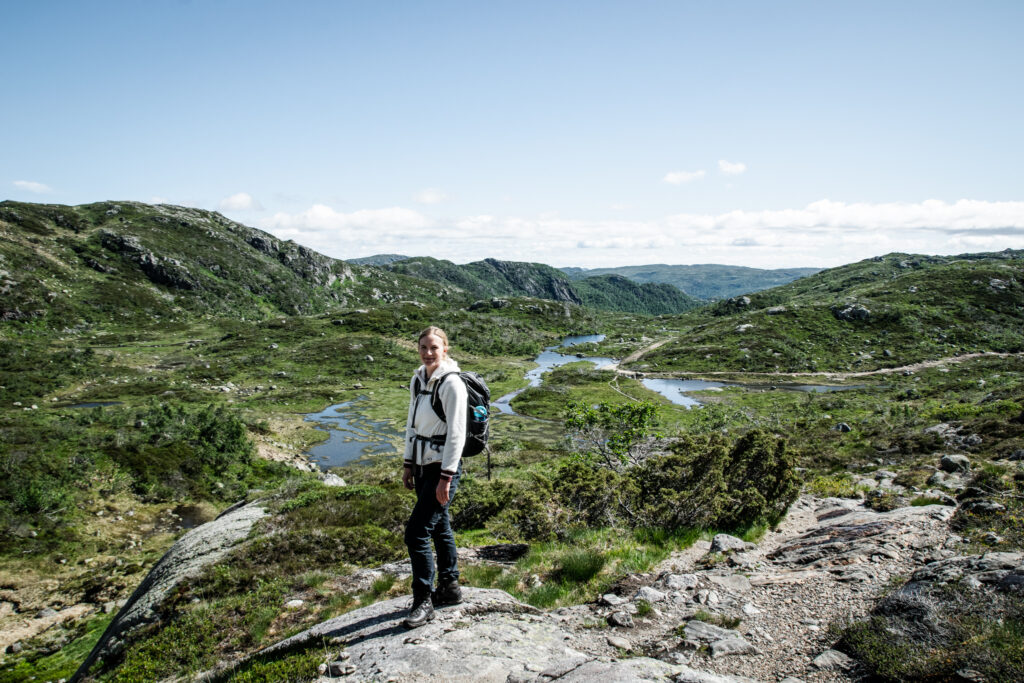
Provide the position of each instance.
(435, 399)
(416, 391)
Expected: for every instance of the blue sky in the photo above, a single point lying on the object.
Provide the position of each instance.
(768, 134)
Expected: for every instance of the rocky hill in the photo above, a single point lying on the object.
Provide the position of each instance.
(82, 265)
(494, 278)
(69, 265)
(702, 281)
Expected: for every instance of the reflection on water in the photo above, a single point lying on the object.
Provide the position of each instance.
(549, 359)
(350, 435)
(675, 389)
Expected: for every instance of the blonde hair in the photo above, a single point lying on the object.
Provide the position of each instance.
(437, 332)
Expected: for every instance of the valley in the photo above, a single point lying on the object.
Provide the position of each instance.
(202, 345)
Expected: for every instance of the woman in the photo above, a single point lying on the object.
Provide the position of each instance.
(432, 466)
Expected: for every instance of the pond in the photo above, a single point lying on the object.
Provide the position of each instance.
(675, 390)
(350, 435)
(549, 359)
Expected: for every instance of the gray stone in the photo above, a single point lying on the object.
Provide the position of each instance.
(851, 312)
(619, 671)
(983, 506)
(620, 642)
(490, 641)
(331, 479)
(704, 632)
(15, 647)
(736, 645)
(688, 675)
(723, 543)
(735, 583)
(681, 582)
(340, 669)
(650, 594)
(955, 462)
(622, 619)
(833, 659)
(749, 609)
(613, 600)
(842, 427)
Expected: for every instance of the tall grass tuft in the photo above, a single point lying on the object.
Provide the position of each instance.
(579, 566)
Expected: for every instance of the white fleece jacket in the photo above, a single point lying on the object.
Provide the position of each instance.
(453, 398)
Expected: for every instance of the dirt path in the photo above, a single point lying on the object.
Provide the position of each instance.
(913, 367)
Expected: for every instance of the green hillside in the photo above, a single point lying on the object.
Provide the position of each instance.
(703, 281)
(883, 312)
(616, 293)
(67, 266)
(494, 278)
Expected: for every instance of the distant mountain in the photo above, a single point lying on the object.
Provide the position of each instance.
(377, 259)
(494, 278)
(887, 311)
(705, 281)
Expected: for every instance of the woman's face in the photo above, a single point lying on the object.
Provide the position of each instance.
(432, 351)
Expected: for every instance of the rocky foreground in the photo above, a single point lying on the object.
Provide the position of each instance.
(723, 610)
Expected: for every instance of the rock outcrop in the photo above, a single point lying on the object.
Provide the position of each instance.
(187, 557)
(491, 636)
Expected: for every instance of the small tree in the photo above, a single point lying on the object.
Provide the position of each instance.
(613, 435)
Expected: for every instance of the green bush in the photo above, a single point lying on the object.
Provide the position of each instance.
(707, 482)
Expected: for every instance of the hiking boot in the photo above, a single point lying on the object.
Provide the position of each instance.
(422, 611)
(447, 594)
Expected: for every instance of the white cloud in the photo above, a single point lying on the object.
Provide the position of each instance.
(680, 177)
(242, 201)
(731, 168)
(430, 195)
(30, 186)
(823, 233)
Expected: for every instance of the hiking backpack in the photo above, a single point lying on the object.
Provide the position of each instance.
(478, 401)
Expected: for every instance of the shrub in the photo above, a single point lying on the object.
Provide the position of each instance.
(591, 495)
(835, 486)
(706, 483)
(612, 434)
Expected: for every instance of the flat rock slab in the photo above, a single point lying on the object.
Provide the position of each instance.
(847, 534)
(491, 636)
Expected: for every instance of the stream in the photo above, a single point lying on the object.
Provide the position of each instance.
(352, 436)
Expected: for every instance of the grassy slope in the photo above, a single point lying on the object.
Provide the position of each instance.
(921, 308)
